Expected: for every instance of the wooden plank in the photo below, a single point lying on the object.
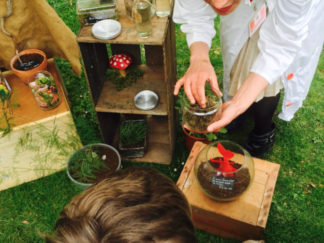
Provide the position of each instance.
(132, 50)
(37, 149)
(28, 111)
(153, 55)
(95, 62)
(108, 123)
(128, 34)
(241, 219)
(114, 101)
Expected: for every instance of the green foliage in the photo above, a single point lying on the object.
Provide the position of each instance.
(120, 82)
(86, 164)
(133, 132)
(210, 136)
(45, 80)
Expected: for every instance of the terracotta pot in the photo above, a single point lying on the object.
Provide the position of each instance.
(27, 75)
(190, 139)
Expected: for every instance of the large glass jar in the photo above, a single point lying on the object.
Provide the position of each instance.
(45, 90)
(196, 118)
(90, 11)
(224, 170)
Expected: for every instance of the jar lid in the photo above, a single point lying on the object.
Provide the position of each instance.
(106, 29)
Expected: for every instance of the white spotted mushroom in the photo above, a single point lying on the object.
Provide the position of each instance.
(120, 62)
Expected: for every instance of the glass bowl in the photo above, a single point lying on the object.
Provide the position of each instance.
(224, 170)
(196, 118)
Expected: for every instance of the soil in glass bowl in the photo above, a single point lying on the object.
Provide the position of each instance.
(197, 118)
(225, 186)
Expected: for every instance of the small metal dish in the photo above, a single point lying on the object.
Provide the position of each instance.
(146, 100)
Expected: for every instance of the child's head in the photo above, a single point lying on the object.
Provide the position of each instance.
(133, 205)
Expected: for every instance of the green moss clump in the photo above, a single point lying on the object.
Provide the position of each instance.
(113, 75)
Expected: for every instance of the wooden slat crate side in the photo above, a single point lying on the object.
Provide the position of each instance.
(224, 226)
(153, 55)
(30, 156)
(95, 61)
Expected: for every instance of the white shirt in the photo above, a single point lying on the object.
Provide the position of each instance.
(290, 27)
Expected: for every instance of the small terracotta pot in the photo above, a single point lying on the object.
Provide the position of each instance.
(27, 75)
(190, 139)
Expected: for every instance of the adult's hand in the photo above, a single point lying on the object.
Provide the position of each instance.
(199, 72)
(244, 97)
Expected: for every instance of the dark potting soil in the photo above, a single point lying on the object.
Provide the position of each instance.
(29, 61)
(223, 187)
(196, 122)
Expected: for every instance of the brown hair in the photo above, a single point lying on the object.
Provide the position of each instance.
(133, 205)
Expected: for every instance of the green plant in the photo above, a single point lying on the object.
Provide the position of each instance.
(209, 136)
(86, 164)
(121, 82)
(133, 132)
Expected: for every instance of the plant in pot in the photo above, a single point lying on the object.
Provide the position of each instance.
(132, 138)
(27, 63)
(92, 163)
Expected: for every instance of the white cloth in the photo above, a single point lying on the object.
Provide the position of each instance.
(291, 40)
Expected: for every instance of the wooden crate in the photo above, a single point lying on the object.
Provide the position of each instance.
(40, 141)
(159, 66)
(242, 219)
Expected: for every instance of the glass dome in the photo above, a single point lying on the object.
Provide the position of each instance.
(224, 170)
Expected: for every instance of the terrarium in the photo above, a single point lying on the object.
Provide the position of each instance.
(224, 170)
(92, 11)
(197, 118)
(45, 90)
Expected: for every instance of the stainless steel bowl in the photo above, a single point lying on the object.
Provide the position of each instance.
(146, 100)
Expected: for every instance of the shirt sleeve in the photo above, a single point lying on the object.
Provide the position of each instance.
(281, 37)
(196, 18)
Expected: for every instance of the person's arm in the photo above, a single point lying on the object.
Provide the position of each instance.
(197, 22)
(199, 71)
(281, 37)
(241, 101)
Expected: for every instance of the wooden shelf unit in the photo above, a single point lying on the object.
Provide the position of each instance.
(155, 55)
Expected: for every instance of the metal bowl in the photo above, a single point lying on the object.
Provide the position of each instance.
(146, 100)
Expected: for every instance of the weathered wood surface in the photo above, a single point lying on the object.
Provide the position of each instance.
(242, 219)
(40, 142)
(111, 100)
(128, 34)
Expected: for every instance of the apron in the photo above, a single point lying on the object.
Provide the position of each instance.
(297, 78)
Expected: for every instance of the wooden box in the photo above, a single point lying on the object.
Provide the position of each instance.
(40, 141)
(155, 55)
(242, 219)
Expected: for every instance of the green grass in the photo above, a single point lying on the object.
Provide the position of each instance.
(297, 211)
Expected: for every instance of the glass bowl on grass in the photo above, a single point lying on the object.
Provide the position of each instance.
(224, 170)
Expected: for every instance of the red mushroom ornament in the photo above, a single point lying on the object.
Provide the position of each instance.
(120, 62)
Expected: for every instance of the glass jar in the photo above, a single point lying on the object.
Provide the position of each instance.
(90, 12)
(142, 13)
(196, 118)
(163, 8)
(129, 8)
(45, 90)
(224, 170)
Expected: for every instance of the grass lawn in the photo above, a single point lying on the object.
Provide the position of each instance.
(297, 211)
